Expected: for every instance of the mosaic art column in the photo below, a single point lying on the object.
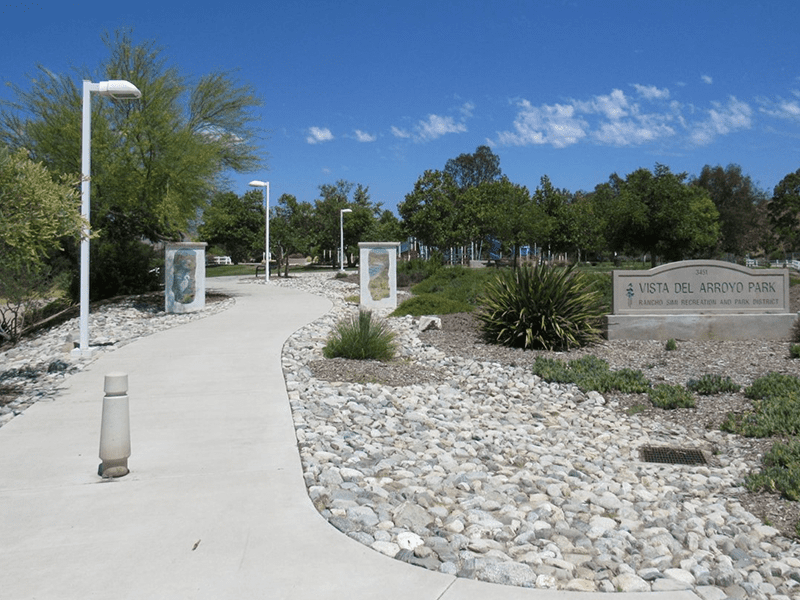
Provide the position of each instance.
(185, 277)
(377, 268)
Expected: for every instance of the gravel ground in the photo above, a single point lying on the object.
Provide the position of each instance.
(742, 361)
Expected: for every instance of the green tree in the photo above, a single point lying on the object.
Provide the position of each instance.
(155, 161)
(432, 212)
(471, 170)
(740, 205)
(658, 213)
(236, 224)
(784, 210)
(388, 228)
(288, 229)
(36, 215)
(358, 225)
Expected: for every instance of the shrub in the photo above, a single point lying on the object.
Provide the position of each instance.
(540, 307)
(670, 397)
(772, 385)
(794, 351)
(590, 373)
(671, 345)
(456, 283)
(362, 338)
(780, 471)
(773, 415)
(709, 385)
(430, 304)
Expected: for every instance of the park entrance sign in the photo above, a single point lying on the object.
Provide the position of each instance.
(700, 299)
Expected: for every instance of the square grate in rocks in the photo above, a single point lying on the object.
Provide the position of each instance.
(672, 456)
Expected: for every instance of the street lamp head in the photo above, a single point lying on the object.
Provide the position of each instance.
(118, 89)
(257, 183)
(344, 210)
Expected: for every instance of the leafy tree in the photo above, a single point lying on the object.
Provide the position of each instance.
(554, 233)
(388, 228)
(739, 203)
(659, 214)
(784, 210)
(431, 212)
(358, 226)
(36, 215)
(155, 161)
(508, 213)
(471, 170)
(236, 224)
(289, 229)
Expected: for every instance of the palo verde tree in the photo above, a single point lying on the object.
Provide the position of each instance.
(657, 213)
(155, 161)
(36, 215)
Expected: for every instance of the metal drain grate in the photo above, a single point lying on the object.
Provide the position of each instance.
(672, 456)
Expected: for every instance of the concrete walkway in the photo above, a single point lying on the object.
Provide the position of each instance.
(215, 505)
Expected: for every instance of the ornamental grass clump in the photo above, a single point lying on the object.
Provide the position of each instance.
(542, 308)
(361, 337)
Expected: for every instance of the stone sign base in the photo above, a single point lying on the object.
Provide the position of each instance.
(700, 327)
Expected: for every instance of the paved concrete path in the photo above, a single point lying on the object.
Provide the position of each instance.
(215, 506)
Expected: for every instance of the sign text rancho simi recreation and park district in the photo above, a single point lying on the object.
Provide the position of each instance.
(701, 286)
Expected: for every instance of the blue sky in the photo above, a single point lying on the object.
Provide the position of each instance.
(377, 92)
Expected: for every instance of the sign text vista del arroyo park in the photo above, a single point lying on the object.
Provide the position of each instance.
(701, 286)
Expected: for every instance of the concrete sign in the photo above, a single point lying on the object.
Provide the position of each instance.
(701, 299)
(377, 268)
(184, 277)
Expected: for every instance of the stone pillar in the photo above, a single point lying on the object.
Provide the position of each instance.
(377, 267)
(185, 277)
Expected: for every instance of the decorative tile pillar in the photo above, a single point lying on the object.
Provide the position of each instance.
(377, 267)
(185, 277)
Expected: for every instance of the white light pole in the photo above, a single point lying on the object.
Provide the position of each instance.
(118, 90)
(341, 237)
(265, 185)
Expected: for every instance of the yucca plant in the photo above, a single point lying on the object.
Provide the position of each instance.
(362, 338)
(541, 307)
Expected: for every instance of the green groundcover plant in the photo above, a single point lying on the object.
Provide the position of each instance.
(780, 471)
(361, 337)
(590, 373)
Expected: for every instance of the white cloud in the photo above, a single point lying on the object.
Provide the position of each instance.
(722, 120)
(363, 136)
(436, 126)
(645, 128)
(651, 92)
(782, 109)
(318, 135)
(401, 133)
(556, 125)
(707, 79)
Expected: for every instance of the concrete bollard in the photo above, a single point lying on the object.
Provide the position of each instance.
(115, 430)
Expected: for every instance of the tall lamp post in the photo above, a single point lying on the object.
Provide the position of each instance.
(341, 237)
(265, 185)
(118, 90)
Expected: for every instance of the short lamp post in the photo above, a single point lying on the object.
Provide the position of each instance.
(341, 237)
(265, 185)
(118, 90)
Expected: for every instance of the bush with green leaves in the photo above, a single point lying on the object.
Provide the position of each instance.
(780, 471)
(671, 345)
(541, 307)
(772, 415)
(708, 385)
(590, 373)
(361, 337)
(773, 385)
(671, 397)
(794, 351)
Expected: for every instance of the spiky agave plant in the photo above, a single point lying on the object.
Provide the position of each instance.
(541, 307)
